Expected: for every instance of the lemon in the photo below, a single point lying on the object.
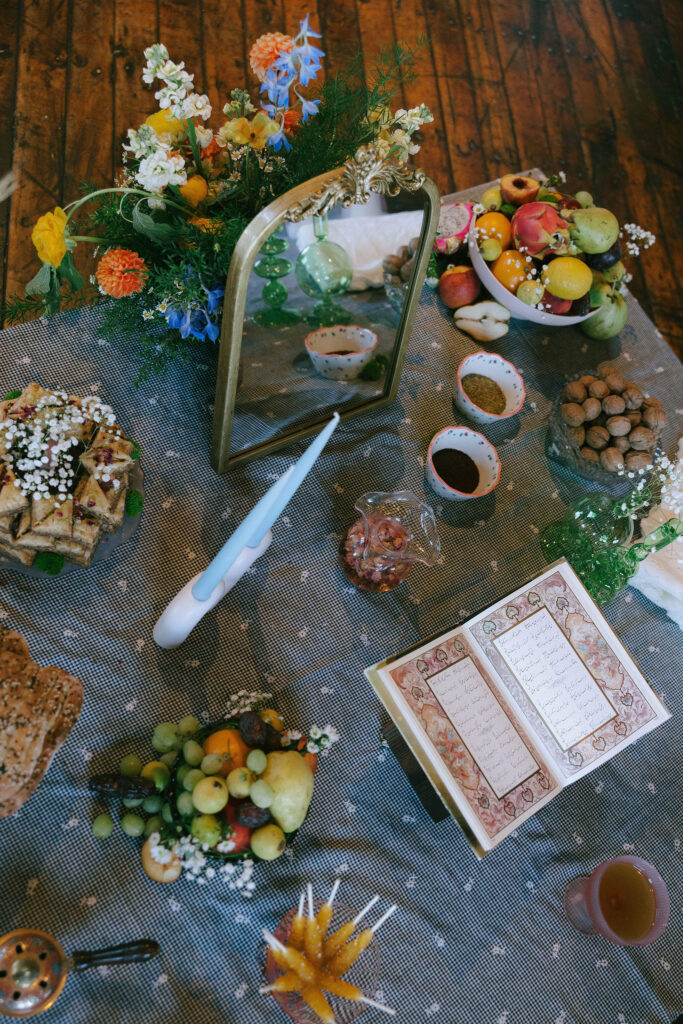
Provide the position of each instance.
(567, 278)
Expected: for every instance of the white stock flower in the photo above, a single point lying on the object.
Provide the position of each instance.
(193, 105)
(160, 169)
(204, 136)
(143, 142)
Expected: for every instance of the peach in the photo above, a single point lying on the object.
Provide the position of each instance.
(458, 286)
(516, 189)
(551, 304)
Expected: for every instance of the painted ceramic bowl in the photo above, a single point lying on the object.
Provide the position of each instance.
(340, 352)
(482, 453)
(497, 369)
(519, 310)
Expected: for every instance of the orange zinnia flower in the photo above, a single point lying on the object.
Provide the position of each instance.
(267, 49)
(291, 120)
(121, 272)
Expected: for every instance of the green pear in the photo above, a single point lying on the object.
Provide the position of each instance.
(609, 319)
(615, 273)
(291, 780)
(594, 229)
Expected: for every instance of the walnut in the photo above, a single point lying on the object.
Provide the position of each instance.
(618, 426)
(612, 459)
(605, 370)
(613, 405)
(653, 401)
(622, 444)
(634, 416)
(637, 460)
(632, 395)
(598, 389)
(591, 409)
(642, 439)
(586, 379)
(615, 382)
(579, 434)
(572, 414)
(597, 437)
(654, 417)
(575, 392)
(590, 455)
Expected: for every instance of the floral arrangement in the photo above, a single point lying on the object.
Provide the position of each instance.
(167, 228)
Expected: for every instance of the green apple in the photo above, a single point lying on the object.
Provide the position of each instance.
(594, 229)
(210, 795)
(609, 319)
(291, 780)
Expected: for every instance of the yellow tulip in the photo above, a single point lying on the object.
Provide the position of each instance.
(195, 191)
(48, 237)
(164, 124)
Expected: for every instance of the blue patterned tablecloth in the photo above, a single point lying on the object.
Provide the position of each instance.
(473, 942)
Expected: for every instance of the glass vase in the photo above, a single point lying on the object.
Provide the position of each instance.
(273, 265)
(324, 272)
(395, 531)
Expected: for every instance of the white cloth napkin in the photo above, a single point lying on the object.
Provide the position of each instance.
(660, 575)
(367, 240)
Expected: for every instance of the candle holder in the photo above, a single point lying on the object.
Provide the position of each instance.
(273, 265)
(395, 531)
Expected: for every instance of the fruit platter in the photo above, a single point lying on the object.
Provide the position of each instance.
(545, 256)
(216, 798)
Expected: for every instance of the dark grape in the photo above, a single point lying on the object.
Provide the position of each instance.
(253, 730)
(603, 260)
(273, 739)
(124, 786)
(580, 306)
(252, 816)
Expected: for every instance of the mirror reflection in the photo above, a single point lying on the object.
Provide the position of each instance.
(324, 302)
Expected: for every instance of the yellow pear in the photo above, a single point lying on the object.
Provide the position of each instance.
(291, 780)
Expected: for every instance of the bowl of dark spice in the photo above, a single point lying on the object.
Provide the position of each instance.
(488, 388)
(462, 464)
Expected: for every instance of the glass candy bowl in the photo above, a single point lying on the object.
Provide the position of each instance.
(395, 531)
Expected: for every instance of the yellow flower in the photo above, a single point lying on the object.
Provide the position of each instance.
(195, 190)
(164, 124)
(48, 237)
(250, 133)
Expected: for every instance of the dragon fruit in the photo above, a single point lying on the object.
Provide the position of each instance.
(538, 229)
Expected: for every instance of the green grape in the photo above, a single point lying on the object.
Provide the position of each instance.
(132, 824)
(166, 737)
(192, 778)
(169, 758)
(130, 765)
(158, 773)
(181, 773)
(188, 725)
(184, 804)
(212, 764)
(257, 761)
(102, 826)
(152, 804)
(153, 824)
(206, 829)
(132, 801)
(193, 753)
(261, 794)
(167, 814)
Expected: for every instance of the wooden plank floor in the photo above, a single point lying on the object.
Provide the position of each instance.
(588, 86)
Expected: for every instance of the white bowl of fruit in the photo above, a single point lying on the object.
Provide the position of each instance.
(550, 258)
(236, 790)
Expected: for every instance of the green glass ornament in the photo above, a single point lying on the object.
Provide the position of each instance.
(272, 266)
(324, 271)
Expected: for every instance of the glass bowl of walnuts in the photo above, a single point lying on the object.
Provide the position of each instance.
(603, 427)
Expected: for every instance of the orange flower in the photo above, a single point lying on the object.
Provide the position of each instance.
(121, 272)
(211, 150)
(267, 49)
(291, 119)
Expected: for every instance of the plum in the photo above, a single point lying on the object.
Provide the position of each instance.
(603, 260)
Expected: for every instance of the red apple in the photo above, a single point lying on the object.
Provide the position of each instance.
(516, 189)
(551, 304)
(458, 286)
(241, 835)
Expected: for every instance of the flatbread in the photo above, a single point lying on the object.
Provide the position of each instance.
(38, 708)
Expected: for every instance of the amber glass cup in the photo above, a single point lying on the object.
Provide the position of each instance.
(625, 900)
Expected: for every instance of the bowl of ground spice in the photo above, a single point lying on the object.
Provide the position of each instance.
(462, 464)
(488, 388)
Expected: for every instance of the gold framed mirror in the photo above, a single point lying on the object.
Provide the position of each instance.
(313, 322)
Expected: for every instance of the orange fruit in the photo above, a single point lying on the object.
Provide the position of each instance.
(510, 269)
(495, 225)
(230, 744)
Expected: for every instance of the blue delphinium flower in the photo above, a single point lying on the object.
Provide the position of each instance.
(300, 65)
(197, 320)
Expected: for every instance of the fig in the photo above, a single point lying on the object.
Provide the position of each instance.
(252, 816)
(253, 730)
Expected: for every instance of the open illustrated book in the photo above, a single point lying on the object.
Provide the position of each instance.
(505, 711)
